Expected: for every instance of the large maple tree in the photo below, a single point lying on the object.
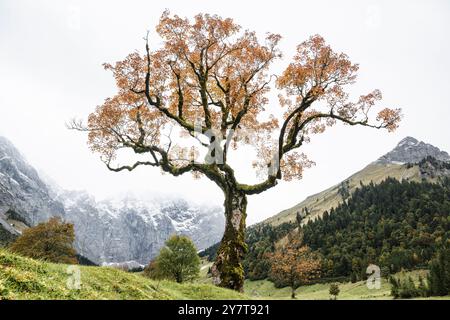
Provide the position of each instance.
(210, 81)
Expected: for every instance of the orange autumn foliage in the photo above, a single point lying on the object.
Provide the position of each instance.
(294, 265)
(210, 70)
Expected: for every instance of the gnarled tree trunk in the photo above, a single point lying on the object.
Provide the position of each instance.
(227, 271)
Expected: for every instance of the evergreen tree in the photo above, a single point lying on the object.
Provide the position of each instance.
(422, 288)
(439, 276)
(334, 291)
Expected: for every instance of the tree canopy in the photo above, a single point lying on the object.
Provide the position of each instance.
(178, 260)
(50, 241)
(211, 78)
(294, 265)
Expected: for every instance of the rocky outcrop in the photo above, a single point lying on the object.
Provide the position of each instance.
(21, 189)
(410, 150)
(430, 168)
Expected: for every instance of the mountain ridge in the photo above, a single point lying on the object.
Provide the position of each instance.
(411, 150)
(395, 163)
(107, 231)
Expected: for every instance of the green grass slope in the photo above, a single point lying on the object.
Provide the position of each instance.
(264, 289)
(23, 278)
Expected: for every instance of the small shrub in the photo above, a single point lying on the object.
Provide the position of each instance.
(406, 288)
(334, 291)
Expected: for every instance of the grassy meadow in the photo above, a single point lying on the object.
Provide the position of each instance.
(24, 278)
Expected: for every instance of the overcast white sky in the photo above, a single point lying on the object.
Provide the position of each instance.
(50, 71)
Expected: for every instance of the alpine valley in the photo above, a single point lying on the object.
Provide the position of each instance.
(128, 231)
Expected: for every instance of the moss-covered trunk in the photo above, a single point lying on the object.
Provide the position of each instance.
(227, 270)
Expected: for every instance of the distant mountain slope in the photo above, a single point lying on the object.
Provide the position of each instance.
(24, 198)
(393, 164)
(120, 230)
(331, 197)
(23, 195)
(115, 230)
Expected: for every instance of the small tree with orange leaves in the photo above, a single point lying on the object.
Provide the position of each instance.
(210, 81)
(294, 265)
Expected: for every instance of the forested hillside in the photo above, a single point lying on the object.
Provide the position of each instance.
(396, 225)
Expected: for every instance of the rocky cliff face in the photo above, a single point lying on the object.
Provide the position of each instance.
(22, 192)
(133, 229)
(410, 150)
(116, 230)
